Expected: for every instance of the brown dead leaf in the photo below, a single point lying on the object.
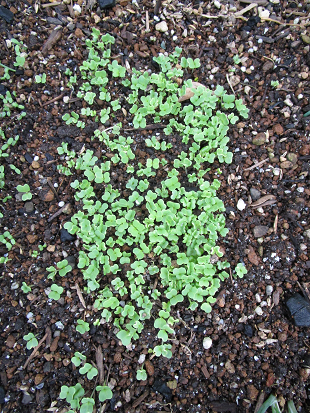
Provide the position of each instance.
(79, 293)
(99, 363)
(189, 93)
(52, 40)
(263, 201)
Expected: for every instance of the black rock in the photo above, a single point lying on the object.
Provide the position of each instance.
(19, 72)
(2, 394)
(160, 386)
(3, 90)
(49, 157)
(300, 310)
(28, 157)
(65, 236)
(6, 14)
(248, 330)
(106, 4)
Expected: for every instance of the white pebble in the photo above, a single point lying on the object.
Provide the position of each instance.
(141, 359)
(59, 325)
(259, 311)
(269, 289)
(61, 204)
(207, 343)
(241, 205)
(36, 158)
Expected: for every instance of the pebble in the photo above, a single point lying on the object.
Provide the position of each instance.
(241, 205)
(141, 359)
(28, 158)
(230, 367)
(255, 194)
(269, 289)
(248, 330)
(149, 368)
(6, 14)
(259, 311)
(59, 325)
(278, 129)
(27, 398)
(65, 236)
(105, 4)
(259, 139)
(162, 26)
(252, 392)
(207, 343)
(260, 230)
(292, 157)
(29, 207)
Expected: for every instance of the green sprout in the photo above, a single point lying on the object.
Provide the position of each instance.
(31, 341)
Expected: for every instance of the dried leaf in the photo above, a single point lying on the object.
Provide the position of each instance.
(79, 293)
(189, 93)
(99, 363)
(271, 199)
(53, 39)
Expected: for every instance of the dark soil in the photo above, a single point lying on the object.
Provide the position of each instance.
(255, 345)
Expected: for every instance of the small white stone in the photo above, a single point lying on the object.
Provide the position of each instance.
(300, 189)
(207, 343)
(141, 359)
(269, 289)
(162, 27)
(241, 205)
(61, 204)
(174, 38)
(300, 96)
(36, 158)
(66, 99)
(15, 286)
(217, 4)
(257, 297)
(59, 325)
(259, 311)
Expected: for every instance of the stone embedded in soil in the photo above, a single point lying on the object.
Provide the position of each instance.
(230, 367)
(252, 392)
(255, 194)
(300, 310)
(268, 66)
(6, 14)
(259, 139)
(278, 129)
(162, 27)
(27, 398)
(106, 4)
(28, 158)
(241, 205)
(292, 157)
(161, 387)
(248, 330)
(305, 38)
(10, 342)
(260, 231)
(29, 207)
(286, 165)
(65, 236)
(207, 343)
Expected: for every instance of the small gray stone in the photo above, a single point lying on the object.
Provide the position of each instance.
(29, 207)
(260, 231)
(19, 196)
(255, 194)
(27, 398)
(269, 289)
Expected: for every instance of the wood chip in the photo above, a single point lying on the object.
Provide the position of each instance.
(263, 201)
(189, 93)
(52, 40)
(140, 399)
(33, 354)
(99, 363)
(205, 372)
(79, 293)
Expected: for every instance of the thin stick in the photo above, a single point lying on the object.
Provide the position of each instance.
(53, 100)
(147, 21)
(58, 3)
(246, 9)
(256, 164)
(157, 7)
(33, 354)
(58, 212)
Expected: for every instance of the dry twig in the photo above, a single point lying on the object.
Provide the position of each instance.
(34, 353)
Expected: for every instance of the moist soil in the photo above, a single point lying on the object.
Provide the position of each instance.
(256, 347)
